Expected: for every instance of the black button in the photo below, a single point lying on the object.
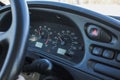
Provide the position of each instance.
(108, 54)
(118, 57)
(97, 51)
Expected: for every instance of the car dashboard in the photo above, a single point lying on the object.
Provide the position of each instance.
(82, 44)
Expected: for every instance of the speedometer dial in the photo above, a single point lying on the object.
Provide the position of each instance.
(67, 43)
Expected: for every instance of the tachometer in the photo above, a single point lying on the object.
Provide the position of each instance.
(40, 36)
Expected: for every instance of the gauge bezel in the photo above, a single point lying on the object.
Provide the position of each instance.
(62, 21)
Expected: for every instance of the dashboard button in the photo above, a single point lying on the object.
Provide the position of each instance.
(97, 51)
(108, 54)
(118, 57)
(94, 32)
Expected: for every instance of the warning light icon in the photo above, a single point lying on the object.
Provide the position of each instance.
(94, 32)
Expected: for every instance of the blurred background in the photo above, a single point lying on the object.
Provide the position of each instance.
(107, 7)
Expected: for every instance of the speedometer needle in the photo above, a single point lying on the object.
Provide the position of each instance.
(62, 42)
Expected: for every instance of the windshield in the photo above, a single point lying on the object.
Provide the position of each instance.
(107, 7)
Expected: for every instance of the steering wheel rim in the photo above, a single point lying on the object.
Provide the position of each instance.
(16, 37)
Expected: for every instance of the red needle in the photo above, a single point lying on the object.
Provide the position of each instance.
(47, 40)
(60, 38)
(38, 30)
(62, 42)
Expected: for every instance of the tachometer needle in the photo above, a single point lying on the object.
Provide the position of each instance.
(47, 40)
(38, 31)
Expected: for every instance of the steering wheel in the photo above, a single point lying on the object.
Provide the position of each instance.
(16, 38)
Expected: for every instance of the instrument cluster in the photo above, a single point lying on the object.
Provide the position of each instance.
(62, 40)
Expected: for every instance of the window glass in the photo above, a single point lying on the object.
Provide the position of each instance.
(107, 7)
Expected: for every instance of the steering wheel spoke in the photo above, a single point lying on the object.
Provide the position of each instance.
(7, 36)
(2, 37)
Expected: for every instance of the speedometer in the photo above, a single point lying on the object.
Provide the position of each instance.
(67, 43)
